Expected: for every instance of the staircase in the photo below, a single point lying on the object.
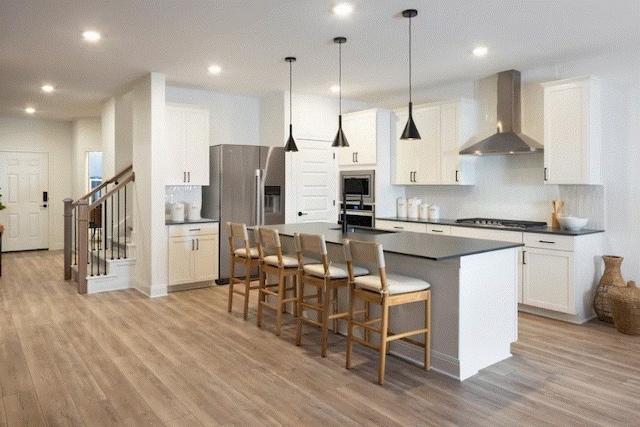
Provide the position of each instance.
(98, 249)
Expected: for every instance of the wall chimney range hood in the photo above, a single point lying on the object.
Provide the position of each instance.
(508, 139)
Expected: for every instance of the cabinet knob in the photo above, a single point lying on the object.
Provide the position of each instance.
(302, 213)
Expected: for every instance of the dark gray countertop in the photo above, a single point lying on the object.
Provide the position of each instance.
(190, 221)
(545, 230)
(430, 246)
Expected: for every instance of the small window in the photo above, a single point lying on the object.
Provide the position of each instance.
(94, 171)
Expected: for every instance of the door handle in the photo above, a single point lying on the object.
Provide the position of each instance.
(545, 175)
(457, 180)
(302, 213)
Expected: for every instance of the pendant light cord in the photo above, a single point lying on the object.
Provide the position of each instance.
(290, 88)
(340, 76)
(409, 59)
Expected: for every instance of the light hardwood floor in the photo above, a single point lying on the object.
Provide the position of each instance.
(120, 358)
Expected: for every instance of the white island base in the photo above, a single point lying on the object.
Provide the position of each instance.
(474, 315)
(474, 303)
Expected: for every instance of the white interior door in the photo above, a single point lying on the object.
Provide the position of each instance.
(24, 180)
(314, 182)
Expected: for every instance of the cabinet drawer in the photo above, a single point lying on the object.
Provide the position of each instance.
(489, 234)
(200, 229)
(401, 226)
(549, 241)
(438, 229)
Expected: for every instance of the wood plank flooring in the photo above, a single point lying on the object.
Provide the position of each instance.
(120, 358)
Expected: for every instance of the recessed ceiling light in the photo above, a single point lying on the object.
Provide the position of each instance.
(91, 36)
(29, 110)
(214, 69)
(480, 51)
(335, 88)
(342, 9)
(47, 88)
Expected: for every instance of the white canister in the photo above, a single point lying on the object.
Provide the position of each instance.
(193, 211)
(177, 212)
(401, 207)
(413, 207)
(434, 212)
(424, 211)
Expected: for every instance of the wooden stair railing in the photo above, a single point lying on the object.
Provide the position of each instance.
(93, 224)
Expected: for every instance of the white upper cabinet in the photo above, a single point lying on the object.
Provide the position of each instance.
(188, 142)
(361, 130)
(434, 160)
(457, 124)
(572, 131)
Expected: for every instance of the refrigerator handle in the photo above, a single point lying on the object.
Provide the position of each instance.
(259, 201)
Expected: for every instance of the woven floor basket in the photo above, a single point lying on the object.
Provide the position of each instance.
(624, 303)
(611, 278)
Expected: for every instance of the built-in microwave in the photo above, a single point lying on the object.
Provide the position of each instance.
(359, 185)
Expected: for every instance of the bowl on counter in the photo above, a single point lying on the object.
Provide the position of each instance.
(572, 223)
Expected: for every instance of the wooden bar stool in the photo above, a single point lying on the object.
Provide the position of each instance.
(244, 255)
(387, 290)
(327, 278)
(285, 267)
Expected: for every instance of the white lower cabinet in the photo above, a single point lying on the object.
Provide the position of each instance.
(193, 253)
(557, 274)
(547, 279)
(560, 273)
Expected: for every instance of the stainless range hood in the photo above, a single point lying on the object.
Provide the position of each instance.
(508, 139)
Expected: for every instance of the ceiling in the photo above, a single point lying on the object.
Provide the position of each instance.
(40, 42)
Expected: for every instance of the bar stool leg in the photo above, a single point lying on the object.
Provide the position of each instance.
(325, 295)
(427, 335)
(261, 296)
(247, 286)
(350, 328)
(383, 340)
(233, 273)
(299, 310)
(280, 308)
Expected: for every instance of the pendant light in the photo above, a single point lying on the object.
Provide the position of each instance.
(340, 140)
(291, 144)
(410, 130)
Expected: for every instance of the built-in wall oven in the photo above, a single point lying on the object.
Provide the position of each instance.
(358, 187)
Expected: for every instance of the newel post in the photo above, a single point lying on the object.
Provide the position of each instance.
(68, 236)
(83, 245)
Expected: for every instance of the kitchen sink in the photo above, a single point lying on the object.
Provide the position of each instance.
(365, 230)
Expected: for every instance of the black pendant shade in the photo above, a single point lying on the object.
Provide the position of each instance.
(410, 130)
(340, 140)
(291, 143)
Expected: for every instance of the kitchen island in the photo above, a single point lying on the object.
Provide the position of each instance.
(474, 292)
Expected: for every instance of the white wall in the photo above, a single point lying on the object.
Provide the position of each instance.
(150, 159)
(54, 138)
(87, 134)
(233, 119)
(108, 129)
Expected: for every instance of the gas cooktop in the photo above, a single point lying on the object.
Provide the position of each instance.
(502, 223)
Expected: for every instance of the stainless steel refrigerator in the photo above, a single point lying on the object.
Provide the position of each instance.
(246, 186)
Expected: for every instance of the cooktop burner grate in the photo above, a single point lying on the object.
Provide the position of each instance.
(506, 223)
